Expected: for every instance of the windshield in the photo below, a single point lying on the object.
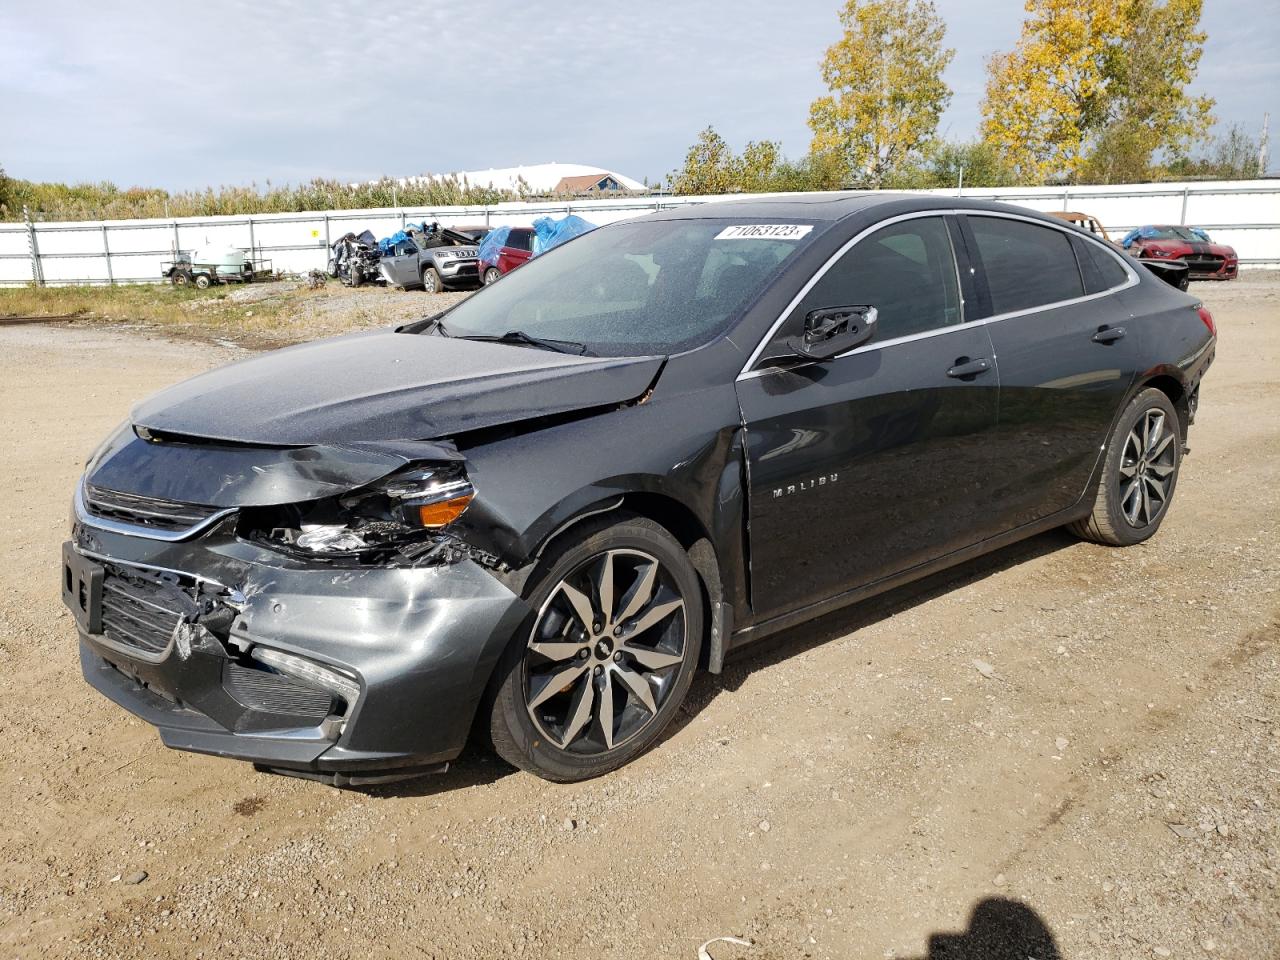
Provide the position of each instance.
(1177, 233)
(638, 288)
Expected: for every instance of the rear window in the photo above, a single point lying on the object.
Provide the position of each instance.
(1026, 265)
(520, 240)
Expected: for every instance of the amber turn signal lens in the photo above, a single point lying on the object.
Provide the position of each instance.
(444, 512)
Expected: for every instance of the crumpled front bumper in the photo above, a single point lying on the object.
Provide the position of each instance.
(421, 642)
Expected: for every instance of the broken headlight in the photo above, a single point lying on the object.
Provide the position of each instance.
(403, 513)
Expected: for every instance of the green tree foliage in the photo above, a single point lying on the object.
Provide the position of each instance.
(886, 89)
(1232, 155)
(6, 195)
(1096, 90)
(711, 167)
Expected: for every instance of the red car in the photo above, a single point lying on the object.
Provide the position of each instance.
(1207, 260)
(503, 250)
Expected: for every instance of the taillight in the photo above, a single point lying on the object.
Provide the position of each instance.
(1207, 317)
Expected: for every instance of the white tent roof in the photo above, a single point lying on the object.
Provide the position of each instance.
(541, 177)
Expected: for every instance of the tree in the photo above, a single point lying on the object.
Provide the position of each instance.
(6, 194)
(1232, 155)
(709, 167)
(1095, 89)
(887, 91)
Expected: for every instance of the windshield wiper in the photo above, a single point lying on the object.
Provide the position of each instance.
(519, 336)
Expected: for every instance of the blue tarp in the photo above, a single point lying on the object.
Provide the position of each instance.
(549, 234)
(385, 246)
(1148, 232)
(493, 243)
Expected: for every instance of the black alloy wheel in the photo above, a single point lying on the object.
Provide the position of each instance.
(1139, 475)
(607, 656)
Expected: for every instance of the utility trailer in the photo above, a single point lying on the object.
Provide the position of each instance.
(208, 266)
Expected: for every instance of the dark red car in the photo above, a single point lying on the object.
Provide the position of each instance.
(504, 249)
(1207, 260)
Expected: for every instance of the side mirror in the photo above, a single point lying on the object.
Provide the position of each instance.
(831, 331)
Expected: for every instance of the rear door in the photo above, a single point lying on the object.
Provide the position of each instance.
(1067, 356)
(403, 264)
(877, 460)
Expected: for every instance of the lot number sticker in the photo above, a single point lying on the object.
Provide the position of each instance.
(764, 231)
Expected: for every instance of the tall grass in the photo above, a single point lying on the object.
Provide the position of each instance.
(106, 201)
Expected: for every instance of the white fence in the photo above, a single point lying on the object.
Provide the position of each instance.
(1244, 214)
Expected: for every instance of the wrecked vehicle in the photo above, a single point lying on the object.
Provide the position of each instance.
(432, 257)
(536, 515)
(1192, 245)
(355, 259)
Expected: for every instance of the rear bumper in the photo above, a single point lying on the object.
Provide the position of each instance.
(421, 643)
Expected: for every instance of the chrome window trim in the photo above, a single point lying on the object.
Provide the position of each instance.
(1131, 280)
(133, 530)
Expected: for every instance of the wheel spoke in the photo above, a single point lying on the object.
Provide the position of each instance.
(1144, 504)
(556, 650)
(579, 713)
(604, 588)
(606, 711)
(641, 593)
(1161, 446)
(649, 658)
(655, 615)
(1130, 501)
(1161, 470)
(1155, 429)
(639, 687)
(554, 683)
(581, 604)
(1128, 470)
(1157, 488)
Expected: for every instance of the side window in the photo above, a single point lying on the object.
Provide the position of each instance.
(1026, 265)
(520, 240)
(907, 271)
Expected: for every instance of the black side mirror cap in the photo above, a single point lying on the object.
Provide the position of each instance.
(831, 331)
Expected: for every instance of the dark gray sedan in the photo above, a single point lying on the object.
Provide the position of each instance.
(536, 516)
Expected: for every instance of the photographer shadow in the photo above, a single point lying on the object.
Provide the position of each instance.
(999, 929)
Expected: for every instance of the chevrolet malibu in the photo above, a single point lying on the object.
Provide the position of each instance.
(533, 518)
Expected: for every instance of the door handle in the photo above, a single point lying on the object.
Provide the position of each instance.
(1108, 335)
(966, 368)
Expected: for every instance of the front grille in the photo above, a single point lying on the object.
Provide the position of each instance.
(140, 612)
(1204, 262)
(142, 511)
(272, 692)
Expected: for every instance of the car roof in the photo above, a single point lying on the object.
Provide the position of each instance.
(837, 206)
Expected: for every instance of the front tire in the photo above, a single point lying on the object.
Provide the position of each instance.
(1139, 475)
(431, 281)
(601, 667)
(491, 276)
(203, 281)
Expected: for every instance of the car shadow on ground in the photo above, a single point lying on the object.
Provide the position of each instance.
(477, 766)
(788, 643)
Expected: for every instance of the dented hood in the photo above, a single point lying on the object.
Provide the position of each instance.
(388, 386)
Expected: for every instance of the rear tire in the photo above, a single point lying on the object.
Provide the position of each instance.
(1139, 475)
(575, 699)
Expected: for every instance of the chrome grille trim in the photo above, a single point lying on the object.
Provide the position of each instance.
(84, 516)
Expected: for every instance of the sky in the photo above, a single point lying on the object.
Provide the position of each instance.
(287, 90)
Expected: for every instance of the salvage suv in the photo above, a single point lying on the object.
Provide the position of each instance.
(535, 516)
(434, 259)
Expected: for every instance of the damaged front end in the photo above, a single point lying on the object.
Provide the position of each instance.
(311, 610)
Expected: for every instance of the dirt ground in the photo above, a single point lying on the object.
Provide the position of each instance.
(857, 790)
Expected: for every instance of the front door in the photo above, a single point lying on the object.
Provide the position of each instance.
(878, 460)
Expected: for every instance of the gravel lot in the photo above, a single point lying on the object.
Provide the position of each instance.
(857, 790)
